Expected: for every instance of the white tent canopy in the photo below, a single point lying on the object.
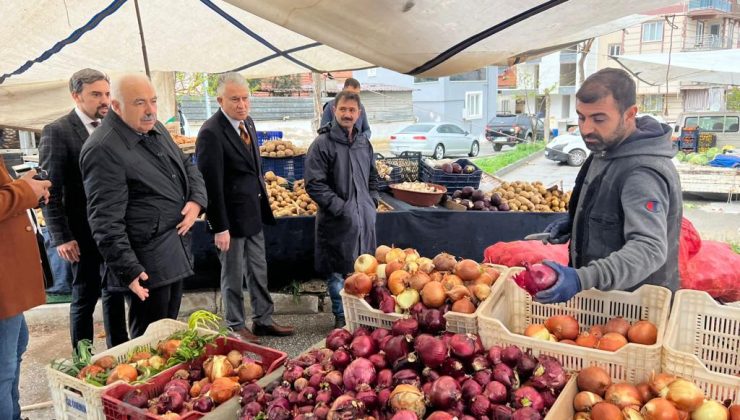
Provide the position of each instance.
(44, 42)
(718, 66)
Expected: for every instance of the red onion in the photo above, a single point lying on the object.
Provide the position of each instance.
(361, 331)
(369, 398)
(300, 384)
(444, 393)
(494, 355)
(405, 326)
(251, 392)
(432, 321)
(383, 341)
(527, 396)
(387, 304)
(377, 293)
(293, 397)
(467, 417)
(411, 361)
(426, 388)
(525, 366)
(470, 389)
(496, 392)
(441, 415)
(463, 345)
(432, 351)
(292, 373)
(511, 355)
(480, 362)
(305, 359)
(323, 396)
(316, 379)
(504, 374)
(359, 374)
(338, 337)
(363, 346)
(340, 359)
(397, 347)
(479, 406)
(346, 407)
(501, 412)
(378, 360)
(549, 396)
(452, 367)
(405, 415)
(417, 309)
(307, 396)
(251, 408)
(383, 396)
(535, 278)
(483, 377)
(321, 411)
(312, 370)
(406, 376)
(379, 333)
(549, 374)
(526, 413)
(323, 354)
(430, 374)
(385, 379)
(281, 391)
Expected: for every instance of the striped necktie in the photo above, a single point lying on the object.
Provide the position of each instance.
(244, 134)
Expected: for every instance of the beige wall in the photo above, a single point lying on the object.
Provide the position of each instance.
(605, 41)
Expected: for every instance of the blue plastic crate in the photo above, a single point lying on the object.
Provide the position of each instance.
(263, 136)
(290, 168)
(451, 181)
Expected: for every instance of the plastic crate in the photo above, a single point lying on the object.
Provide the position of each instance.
(263, 136)
(396, 176)
(451, 181)
(409, 162)
(357, 312)
(76, 399)
(702, 343)
(505, 320)
(116, 409)
(290, 168)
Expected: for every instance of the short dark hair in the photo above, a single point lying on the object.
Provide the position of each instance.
(85, 77)
(609, 81)
(350, 82)
(347, 96)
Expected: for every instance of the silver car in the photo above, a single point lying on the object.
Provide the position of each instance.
(435, 139)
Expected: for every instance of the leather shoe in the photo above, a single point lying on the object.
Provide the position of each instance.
(339, 322)
(273, 329)
(245, 335)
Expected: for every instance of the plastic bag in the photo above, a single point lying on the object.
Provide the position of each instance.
(714, 269)
(514, 254)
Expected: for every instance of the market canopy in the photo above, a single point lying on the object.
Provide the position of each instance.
(718, 66)
(44, 42)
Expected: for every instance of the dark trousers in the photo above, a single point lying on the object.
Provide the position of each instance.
(87, 288)
(163, 302)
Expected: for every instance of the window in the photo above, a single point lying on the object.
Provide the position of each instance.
(473, 105)
(443, 129)
(453, 129)
(372, 72)
(417, 128)
(474, 75)
(567, 74)
(505, 106)
(615, 49)
(652, 31)
(731, 124)
(652, 103)
(714, 123)
(565, 110)
(699, 32)
(691, 122)
(425, 79)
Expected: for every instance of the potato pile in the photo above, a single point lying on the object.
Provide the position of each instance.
(180, 139)
(284, 202)
(280, 149)
(525, 196)
(384, 170)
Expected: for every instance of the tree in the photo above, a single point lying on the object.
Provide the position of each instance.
(585, 48)
(192, 84)
(733, 99)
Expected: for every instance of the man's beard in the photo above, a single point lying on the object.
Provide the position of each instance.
(604, 144)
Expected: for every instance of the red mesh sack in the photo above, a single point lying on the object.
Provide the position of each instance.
(715, 269)
(689, 245)
(516, 253)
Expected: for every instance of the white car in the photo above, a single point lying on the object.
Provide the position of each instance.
(568, 148)
(435, 139)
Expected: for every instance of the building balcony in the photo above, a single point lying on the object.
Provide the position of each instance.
(709, 7)
(709, 42)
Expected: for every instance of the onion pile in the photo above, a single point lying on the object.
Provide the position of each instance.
(405, 372)
(394, 280)
(663, 397)
(612, 336)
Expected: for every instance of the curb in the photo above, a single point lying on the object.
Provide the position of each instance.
(191, 302)
(519, 163)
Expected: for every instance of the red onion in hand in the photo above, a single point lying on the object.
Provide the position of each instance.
(535, 278)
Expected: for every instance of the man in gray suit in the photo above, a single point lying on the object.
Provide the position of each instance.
(237, 207)
(66, 212)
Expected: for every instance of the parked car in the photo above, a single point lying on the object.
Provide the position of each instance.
(512, 129)
(435, 139)
(569, 148)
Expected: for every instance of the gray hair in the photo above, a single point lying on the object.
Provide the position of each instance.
(231, 77)
(85, 77)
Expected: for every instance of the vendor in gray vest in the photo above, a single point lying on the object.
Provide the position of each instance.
(341, 178)
(625, 212)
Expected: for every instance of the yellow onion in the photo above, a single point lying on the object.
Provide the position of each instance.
(218, 367)
(711, 409)
(481, 291)
(407, 298)
(408, 397)
(683, 394)
(458, 292)
(223, 389)
(250, 372)
(631, 413)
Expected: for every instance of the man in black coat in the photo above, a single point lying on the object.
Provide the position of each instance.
(361, 125)
(341, 178)
(66, 212)
(143, 195)
(237, 206)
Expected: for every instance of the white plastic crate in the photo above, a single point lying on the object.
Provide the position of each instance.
(702, 343)
(76, 399)
(504, 321)
(358, 312)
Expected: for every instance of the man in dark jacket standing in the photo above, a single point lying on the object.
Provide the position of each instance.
(143, 196)
(66, 213)
(361, 125)
(237, 206)
(341, 178)
(625, 212)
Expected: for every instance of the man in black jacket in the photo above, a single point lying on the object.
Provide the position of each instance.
(66, 212)
(237, 206)
(341, 178)
(361, 125)
(143, 196)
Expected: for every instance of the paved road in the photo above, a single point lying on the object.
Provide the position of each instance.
(546, 171)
